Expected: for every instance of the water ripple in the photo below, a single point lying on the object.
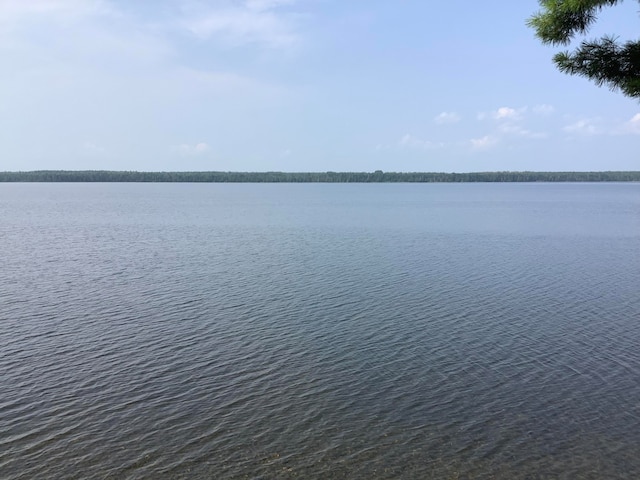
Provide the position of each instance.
(217, 347)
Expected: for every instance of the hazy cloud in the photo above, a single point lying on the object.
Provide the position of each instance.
(75, 33)
(584, 126)
(262, 5)
(598, 126)
(483, 143)
(258, 22)
(227, 82)
(190, 150)
(409, 141)
(633, 125)
(543, 109)
(446, 117)
(519, 130)
(90, 148)
(13, 10)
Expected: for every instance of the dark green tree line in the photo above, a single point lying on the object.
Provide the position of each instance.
(313, 177)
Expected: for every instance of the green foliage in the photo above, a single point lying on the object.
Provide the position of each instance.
(604, 60)
(314, 177)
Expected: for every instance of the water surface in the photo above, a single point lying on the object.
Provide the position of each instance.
(320, 331)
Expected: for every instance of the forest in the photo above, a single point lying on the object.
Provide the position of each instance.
(314, 177)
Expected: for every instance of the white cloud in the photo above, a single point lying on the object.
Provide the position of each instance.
(503, 114)
(508, 123)
(447, 117)
(508, 113)
(583, 126)
(191, 150)
(633, 125)
(483, 143)
(409, 141)
(256, 22)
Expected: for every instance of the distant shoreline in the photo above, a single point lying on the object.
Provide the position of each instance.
(313, 177)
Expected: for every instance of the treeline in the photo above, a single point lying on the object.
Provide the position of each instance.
(313, 177)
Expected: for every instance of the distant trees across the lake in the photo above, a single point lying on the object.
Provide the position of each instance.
(313, 177)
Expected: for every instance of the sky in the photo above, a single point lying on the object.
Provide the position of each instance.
(301, 85)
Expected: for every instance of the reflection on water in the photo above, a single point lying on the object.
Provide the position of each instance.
(319, 331)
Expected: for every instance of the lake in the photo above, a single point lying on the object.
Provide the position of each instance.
(320, 331)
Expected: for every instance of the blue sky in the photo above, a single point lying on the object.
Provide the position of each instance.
(301, 85)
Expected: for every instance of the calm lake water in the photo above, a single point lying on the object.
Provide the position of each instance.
(320, 331)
